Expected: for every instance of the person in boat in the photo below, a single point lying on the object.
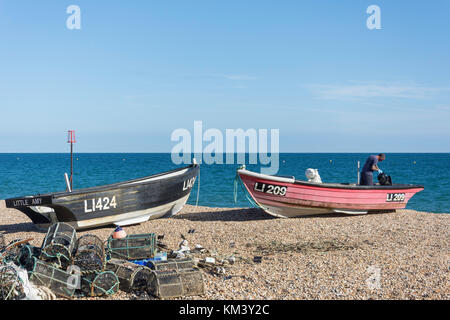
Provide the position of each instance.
(370, 166)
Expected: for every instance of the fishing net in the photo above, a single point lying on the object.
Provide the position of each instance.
(171, 264)
(136, 246)
(59, 244)
(99, 284)
(176, 283)
(90, 254)
(26, 255)
(11, 251)
(11, 287)
(132, 277)
(59, 281)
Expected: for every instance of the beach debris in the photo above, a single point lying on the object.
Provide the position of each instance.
(231, 260)
(89, 254)
(98, 284)
(199, 248)
(176, 283)
(191, 231)
(11, 287)
(184, 246)
(132, 277)
(232, 244)
(61, 282)
(182, 251)
(210, 260)
(159, 256)
(220, 270)
(257, 259)
(160, 237)
(135, 246)
(59, 244)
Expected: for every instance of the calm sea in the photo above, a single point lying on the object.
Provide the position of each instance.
(28, 174)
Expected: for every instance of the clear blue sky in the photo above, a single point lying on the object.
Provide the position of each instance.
(137, 70)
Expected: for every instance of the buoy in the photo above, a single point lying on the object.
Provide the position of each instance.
(119, 233)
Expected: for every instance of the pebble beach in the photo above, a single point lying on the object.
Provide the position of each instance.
(397, 255)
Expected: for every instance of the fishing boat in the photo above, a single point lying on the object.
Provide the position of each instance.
(123, 203)
(287, 197)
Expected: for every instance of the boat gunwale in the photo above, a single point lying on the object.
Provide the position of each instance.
(105, 187)
(326, 185)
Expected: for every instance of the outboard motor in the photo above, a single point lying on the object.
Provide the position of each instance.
(313, 175)
(384, 180)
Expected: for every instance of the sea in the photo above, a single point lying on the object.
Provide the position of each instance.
(32, 173)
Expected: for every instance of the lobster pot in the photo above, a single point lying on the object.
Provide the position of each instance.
(59, 281)
(59, 244)
(176, 283)
(12, 250)
(11, 287)
(171, 264)
(26, 256)
(135, 246)
(132, 277)
(98, 284)
(89, 254)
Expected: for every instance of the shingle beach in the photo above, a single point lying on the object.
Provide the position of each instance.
(400, 255)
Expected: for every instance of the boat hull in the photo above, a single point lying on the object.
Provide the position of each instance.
(124, 203)
(287, 197)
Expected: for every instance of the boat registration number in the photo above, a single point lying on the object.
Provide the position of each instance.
(270, 188)
(99, 204)
(395, 197)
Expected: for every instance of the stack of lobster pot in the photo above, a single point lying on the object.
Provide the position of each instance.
(59, 281)
(132, 277)
(104, 283)
(176, 283)
(89, 254)
(59, 244)
(175, 278)
(136, 246)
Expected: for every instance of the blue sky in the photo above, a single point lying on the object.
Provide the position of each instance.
(138, 70)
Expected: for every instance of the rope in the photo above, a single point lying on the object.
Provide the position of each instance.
(198, 188)
(238, 180)
(45, 293)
